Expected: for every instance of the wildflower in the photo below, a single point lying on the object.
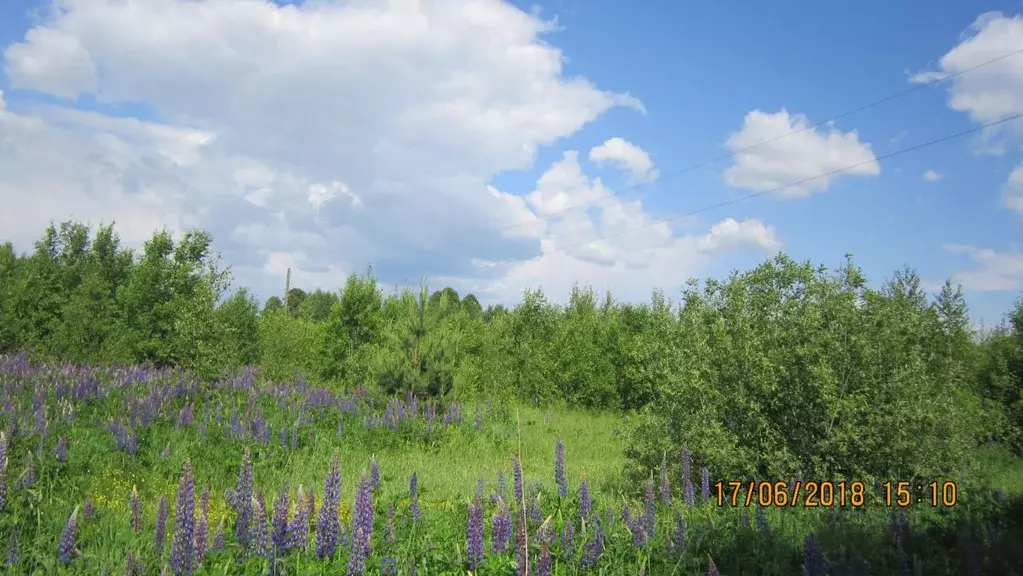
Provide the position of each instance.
(413, 489)
(584, 499)
(161, 525)
(3, 466)
(677, 541)
(712, 570)
(474, 536)
(500, 526)
(568, 538)
(388, 566)
(279, 529)
(66, 547)
(12, 548)
(543, 565)
(362, 527)
(135, 506)
(183, 547)
(763, 526)
(133, 566)
(28, 478)
(218, 537)
(259, 536)
(374, 468)
(521, 547)
(687, 484)
(327, 523)
(298, 532)
(559, 468)
(517, 479)
(650, 508)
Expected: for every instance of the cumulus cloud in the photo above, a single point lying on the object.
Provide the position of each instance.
(730, 234)
(932, 176)
(327, 136)
(994, 91)
(626, 156)
(774, 150)
(994, 271)
(1012, 195)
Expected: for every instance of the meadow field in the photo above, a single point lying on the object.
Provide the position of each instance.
(153, 423)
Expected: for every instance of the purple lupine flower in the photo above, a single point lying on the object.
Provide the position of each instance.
(559, 468)
(66, 547)
(650, 509)
(61, 449)
(218, 538)
(281, 519)
(687, 483)
(712, 570)
(521, 547)
(594, 549)
(362, 527)
(161, 526)
(813, 558)
(500, 525)
(389, 566)
(133, 566)
(677, 541)
(543, 564)
(413, 490)
(327, 523)
(202, 526)
(374, 470)
(13, 551)
(243, 501)
(474, 535)
(705, 484)
(282, 437)
(502, 484)
(517, 481)
(584, 499)
(259, 533)
(298, 532)
(135, 507)
(3, 467)
(665, 485)
(182, 559)
(88, 510)
(568, 538)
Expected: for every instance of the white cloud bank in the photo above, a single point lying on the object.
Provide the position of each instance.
(327, 136)
(774, 150)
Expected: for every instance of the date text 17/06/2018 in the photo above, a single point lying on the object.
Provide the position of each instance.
(827, 493)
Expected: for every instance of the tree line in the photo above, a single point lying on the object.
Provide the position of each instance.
(787, 367)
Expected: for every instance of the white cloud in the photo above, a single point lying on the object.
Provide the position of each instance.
(994, 272)
(626, 156)
(325, 136)
(932, 176)
(793, 152)
(992, 92)
(730, 234)
(1012, 194)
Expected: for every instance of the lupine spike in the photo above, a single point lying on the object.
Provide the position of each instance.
(183, 547)
(559, 468)
(327, 523)
(135, 505)
(584, 499)
(66, 547)
(687, 482)
(413, 488)
(161, 526)
(474, 535)
(705, 484)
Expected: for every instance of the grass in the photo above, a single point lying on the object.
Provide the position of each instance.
(448, 460)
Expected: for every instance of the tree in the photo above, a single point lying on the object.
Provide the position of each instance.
(272, 304)
(296, 298)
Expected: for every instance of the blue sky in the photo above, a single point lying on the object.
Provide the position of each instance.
(342, 137)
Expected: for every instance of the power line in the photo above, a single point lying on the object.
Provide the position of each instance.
(878, 102)
(779, 188)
